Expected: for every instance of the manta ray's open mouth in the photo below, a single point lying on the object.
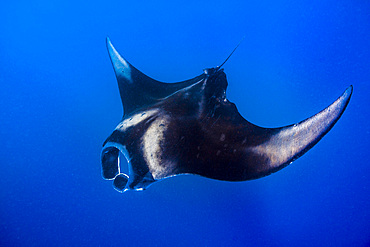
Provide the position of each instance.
(115, 165)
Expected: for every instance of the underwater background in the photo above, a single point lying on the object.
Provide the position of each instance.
(59, 101)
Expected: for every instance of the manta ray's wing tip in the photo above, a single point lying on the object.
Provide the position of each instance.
(345, 97)
(121, 67)
(110, 46)
(349, 91)
(291, 142)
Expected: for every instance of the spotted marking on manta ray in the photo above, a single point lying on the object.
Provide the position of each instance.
(135, 119)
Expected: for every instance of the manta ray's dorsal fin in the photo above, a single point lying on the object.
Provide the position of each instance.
(137, 89)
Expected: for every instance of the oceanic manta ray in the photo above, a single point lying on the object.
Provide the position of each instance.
(190, 127)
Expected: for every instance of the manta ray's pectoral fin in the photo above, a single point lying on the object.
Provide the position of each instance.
(291, 142)
(237, 150)
(137, 89)
(286, 144)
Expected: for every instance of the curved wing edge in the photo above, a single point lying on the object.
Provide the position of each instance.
(291, 142)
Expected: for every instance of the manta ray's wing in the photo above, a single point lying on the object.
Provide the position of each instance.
(137, 89)
(235, 150)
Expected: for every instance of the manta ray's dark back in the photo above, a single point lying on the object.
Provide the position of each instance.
(190, 127)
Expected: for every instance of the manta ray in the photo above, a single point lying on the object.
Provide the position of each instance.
(190, 127)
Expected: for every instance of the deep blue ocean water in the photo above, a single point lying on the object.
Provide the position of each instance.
(59, 101)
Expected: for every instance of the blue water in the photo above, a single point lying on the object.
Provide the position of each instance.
(59, 101)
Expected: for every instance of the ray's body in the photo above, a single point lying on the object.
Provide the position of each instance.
(191, 127)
